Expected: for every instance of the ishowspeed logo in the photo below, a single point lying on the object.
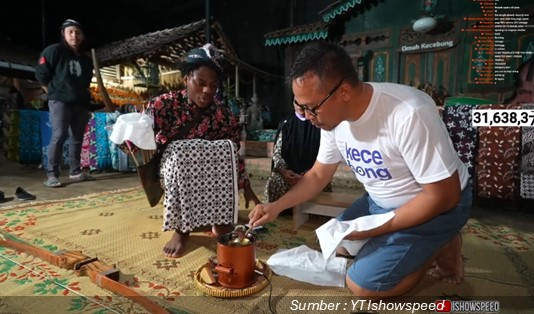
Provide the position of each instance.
(459, 306)
(439, 306)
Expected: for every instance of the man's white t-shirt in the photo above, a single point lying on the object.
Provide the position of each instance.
(399, 143)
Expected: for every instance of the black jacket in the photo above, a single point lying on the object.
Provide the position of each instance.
(66, 74)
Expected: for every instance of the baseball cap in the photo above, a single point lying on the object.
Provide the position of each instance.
(71, 22)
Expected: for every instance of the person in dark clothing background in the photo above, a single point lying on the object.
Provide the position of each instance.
(15, 100)
(65, 70)
(295, 150)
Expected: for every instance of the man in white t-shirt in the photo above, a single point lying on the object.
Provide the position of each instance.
(393, 139)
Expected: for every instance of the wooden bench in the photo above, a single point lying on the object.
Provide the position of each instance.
(328, 204)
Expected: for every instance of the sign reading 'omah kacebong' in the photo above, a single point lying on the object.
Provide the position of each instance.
(429, 46)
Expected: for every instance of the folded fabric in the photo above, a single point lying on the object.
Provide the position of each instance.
(331, 234)
(306, 265)
(136, 128)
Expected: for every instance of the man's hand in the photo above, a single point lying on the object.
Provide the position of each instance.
(357, 235)
(360, 235)
(262, 214)
(249, 195)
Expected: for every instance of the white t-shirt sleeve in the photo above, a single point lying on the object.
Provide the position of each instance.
(328, 150)
(425, 146)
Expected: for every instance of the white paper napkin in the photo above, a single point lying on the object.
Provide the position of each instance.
(307, 265)
(136, 128)
(331, 234)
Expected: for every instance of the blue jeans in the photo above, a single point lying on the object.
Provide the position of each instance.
(385, 260)
(66, 119)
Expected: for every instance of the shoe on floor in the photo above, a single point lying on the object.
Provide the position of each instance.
(52, 182)
(81, 176)
(2, 197)
(22, 195)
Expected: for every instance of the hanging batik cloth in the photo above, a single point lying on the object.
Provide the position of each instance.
(29, 137)
(85, 160)
(13, 134)
(527, 159)
(498, 159)
(103, 155)
(464, 136)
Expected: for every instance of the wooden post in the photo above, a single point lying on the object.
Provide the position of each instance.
(105, 96)
(237, 82)
(254, 85)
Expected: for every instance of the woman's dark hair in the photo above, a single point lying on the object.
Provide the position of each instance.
(326, 60)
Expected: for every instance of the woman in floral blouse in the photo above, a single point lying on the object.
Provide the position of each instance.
(211, 120)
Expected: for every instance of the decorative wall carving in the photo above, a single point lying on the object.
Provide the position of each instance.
(368, 40)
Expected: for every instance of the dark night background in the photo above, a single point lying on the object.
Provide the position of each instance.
(36, 23)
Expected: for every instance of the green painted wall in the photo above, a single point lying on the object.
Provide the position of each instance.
(398, 14)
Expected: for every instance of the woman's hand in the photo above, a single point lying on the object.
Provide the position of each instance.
(290, 177)
(249, 195)
(128, 147)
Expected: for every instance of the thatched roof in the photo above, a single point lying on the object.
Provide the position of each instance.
(163, 46)
(168, 46)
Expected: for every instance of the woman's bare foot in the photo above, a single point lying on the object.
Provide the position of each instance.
(176, 245)
(219, 230)
(449, 262)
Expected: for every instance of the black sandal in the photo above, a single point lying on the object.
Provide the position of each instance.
(22, 195)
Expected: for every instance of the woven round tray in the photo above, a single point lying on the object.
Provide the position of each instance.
(216, 290)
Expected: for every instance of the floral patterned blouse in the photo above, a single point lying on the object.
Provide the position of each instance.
(174, 109)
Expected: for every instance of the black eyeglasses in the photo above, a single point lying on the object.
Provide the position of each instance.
(313, 110)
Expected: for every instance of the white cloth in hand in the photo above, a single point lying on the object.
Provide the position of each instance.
(136, 128)
(306, 265)
(331, 234)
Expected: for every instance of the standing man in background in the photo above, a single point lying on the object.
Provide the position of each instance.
(65, 71)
